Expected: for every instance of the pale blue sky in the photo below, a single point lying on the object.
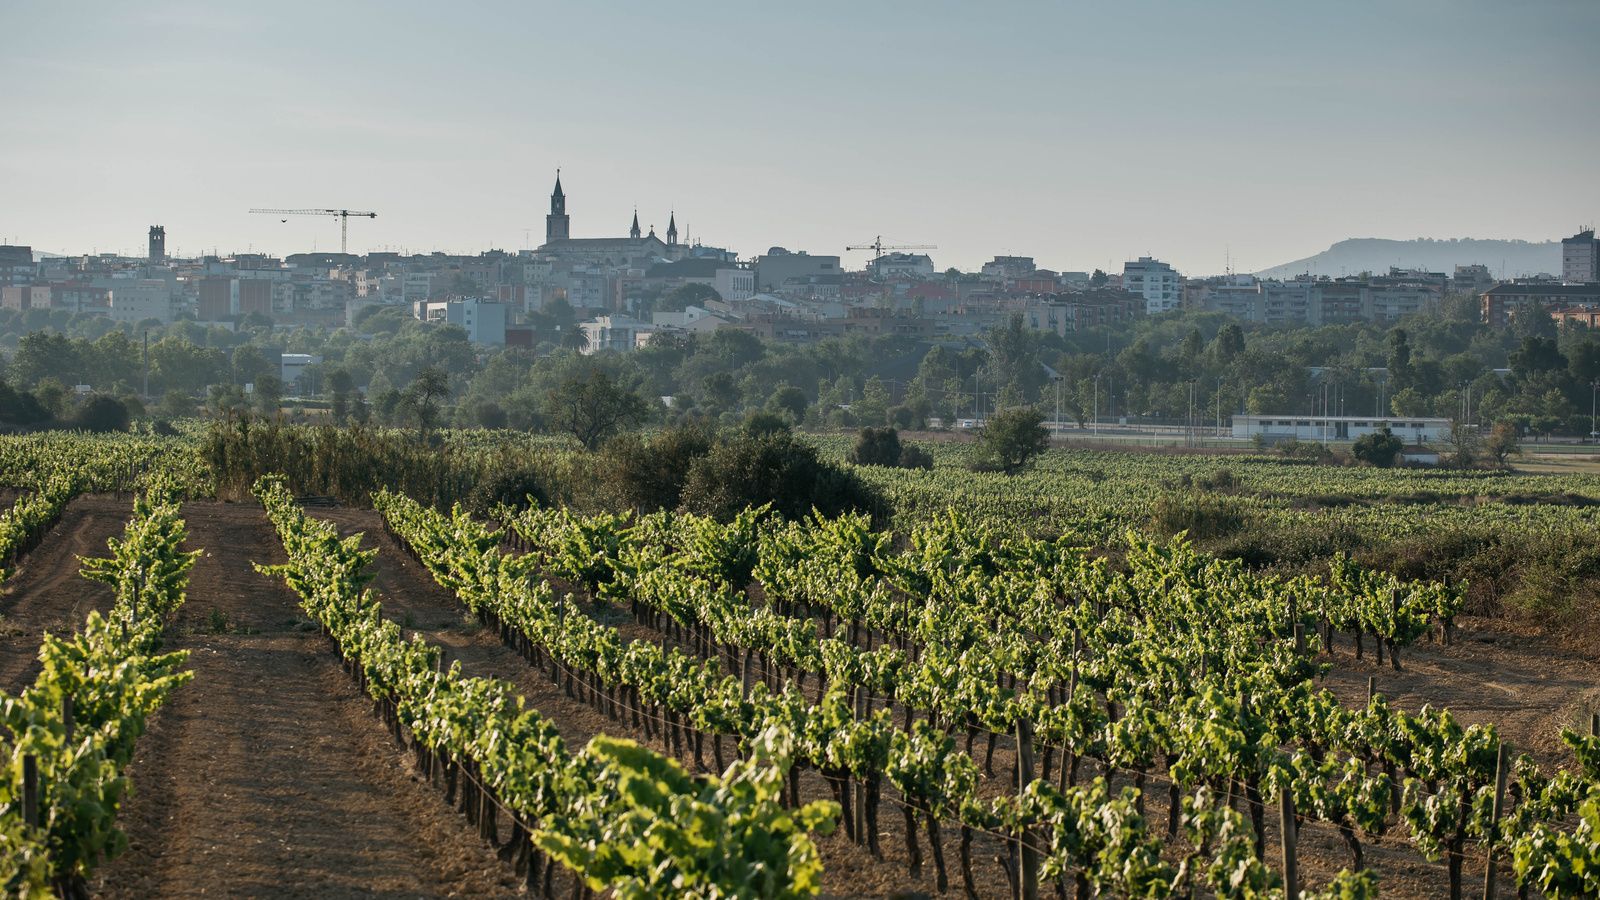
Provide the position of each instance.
(1082, 134)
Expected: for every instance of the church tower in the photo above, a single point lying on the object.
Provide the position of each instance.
(634, 231)
(557, 226)
(672, 229)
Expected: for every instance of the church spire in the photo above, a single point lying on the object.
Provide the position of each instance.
(634, 231)
(672, 229)
(557, 226)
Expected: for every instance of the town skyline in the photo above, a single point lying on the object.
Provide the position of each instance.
(1237, 135)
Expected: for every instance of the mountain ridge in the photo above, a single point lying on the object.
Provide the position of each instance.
(1352, 256)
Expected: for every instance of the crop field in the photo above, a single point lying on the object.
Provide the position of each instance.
(1111, 675)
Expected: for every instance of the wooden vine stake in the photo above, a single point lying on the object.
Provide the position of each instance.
(1286, 824)
(1030, 854)
(1500, 766)
(30, 790)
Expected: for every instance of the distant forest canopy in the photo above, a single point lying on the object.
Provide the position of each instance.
(1163, 368)
(1505, 259)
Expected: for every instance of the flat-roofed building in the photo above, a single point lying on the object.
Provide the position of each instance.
(1280, 427)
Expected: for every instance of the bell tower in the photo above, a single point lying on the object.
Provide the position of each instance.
(557, 225)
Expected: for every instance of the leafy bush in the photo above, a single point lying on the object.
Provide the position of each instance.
(511, 487)
(914, 457)
(650, 474)
(877, 447)
(750, 470)
(1203, 516)
(102, 413)
(1379, 448)
(1011, 439)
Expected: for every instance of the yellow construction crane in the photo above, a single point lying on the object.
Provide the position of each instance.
(343, 214)
(878, 246)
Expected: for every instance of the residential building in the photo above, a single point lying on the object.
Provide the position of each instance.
(619, 333)
(1157, 282)
(1006, 268)
(902, 265)
(483, 320)
(1501, 302)
(135, 300)
(1473, 279)
(780, 271)
(1580, 258)
(224, 298)
(1587, 316)
(25, 296)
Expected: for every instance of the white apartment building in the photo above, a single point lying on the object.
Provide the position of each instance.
(134, 301)
(620, 333)
(485, 322)
(1158, 283)
(735, 285)
(1580, 258)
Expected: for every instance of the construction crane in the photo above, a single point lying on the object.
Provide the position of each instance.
(878, 246)
(343, 214)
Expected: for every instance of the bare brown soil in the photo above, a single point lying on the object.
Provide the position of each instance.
(47, 594)
(267, 775)
(1527, 685)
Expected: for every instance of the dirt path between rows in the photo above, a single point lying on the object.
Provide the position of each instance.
(412, 598)
(1527, 685)
(47, 593)
(267, 775)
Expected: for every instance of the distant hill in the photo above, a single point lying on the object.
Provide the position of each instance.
(1506, 259)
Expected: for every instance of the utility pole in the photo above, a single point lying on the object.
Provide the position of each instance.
(147, 365)
(1058, 405)
(1219, 407)
(1191, 413)
(1097, 403)
(1594, 422)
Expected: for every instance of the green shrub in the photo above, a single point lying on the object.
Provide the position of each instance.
(781, 469)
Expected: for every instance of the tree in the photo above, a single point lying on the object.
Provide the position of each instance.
(1536, 354)
(102, 413)
(877, 447)
(1228, 344)
(1399, 358)
(1503, 441)
(1464, 446)
(680, 298)
(1378, 448)
(1012, 438)
(1409, 402)
(575, 338)
(340, 384)
(268, 394)
(592, 406)
(789, 399)
(423, 396)
(1099, 279)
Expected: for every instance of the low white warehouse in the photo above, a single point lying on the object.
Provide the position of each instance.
(1276, 428)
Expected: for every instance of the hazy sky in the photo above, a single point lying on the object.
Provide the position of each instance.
(1082, 134)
